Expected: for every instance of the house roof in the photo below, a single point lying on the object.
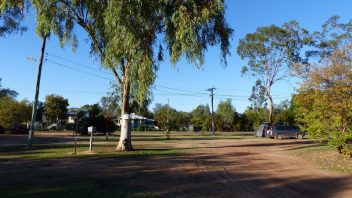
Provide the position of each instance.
(135, 116)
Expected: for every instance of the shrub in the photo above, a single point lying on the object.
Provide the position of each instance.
(347, 150)
(19, 129)
(343, 144)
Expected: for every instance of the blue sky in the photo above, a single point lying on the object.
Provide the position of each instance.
(185, 81)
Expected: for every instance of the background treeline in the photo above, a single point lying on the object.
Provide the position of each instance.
(225, 118)
(15, 115)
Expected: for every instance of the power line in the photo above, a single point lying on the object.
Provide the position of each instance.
(79, 64)
(176, 89)
(160, 86)
(161, 92)
(175, 93)
(78, 70)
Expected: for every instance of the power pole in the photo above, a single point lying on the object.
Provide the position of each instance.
(35, 103)
(168, 112)
(212, 109)
(167, 119)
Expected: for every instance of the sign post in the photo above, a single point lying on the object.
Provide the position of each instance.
(91, 130)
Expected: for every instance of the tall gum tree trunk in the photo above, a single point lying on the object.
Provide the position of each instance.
(271, 106)
(125, 142)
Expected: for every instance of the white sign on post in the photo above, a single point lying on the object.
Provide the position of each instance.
(91, 130)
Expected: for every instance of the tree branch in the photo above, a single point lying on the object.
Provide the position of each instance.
(116, 76)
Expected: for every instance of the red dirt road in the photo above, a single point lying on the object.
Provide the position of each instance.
(217, 168)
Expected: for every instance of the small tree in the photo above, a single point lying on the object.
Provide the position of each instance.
(324, 102)
(199, 117)
(284, 113)
(183, 119)
(55, 108)
(253, 117)
(257, 98)
(227, 113)
(110, 105)
(272, 53)
(13, 113)
(165, 116)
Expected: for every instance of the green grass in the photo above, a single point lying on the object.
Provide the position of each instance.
(66, 150)
(81, 189)
(101, 147)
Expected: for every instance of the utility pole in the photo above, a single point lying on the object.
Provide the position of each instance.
(167, 119)
(35, 102)
(212, 109)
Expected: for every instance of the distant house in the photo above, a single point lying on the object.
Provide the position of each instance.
(72, 115)
(138, 121)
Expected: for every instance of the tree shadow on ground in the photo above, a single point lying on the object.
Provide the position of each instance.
(177, 175)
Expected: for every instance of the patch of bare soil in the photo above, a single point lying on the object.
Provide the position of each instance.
(218, 168)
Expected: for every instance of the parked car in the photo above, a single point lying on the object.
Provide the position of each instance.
(278, 131)
(262, 129)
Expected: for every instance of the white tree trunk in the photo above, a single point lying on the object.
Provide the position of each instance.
(125, 143)
(271, 105)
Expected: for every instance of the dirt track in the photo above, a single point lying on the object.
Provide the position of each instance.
(218, 168)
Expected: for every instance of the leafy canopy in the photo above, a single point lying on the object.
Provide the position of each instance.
(55, 107)
(226, 111)
(13, 113)
(324, 102)
(135, 34)
(272, 51)
(11, 16)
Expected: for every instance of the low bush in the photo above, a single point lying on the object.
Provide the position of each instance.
(343, 144)
(347, 150)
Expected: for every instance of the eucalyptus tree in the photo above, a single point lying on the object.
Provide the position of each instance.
(257, 98)
(11, 16)
(131, 37)
(334, 35)
(272, 53)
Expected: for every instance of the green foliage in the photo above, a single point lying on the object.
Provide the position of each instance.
(253, 117)
(284, 113)
(333, 36)
(171, 119)
(110, 105)
(55, 108)
(183, 120)
(5, 92)
(165, 116)
(93, 115)
(347, 150)
(272, 53)
(11, 16)
(226, 113)
(257, 98)
(125, 34)
(200, 118)
(324, 102)
(12, 113)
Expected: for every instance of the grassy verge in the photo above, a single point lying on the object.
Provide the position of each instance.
(326, 157)
(66, 150)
